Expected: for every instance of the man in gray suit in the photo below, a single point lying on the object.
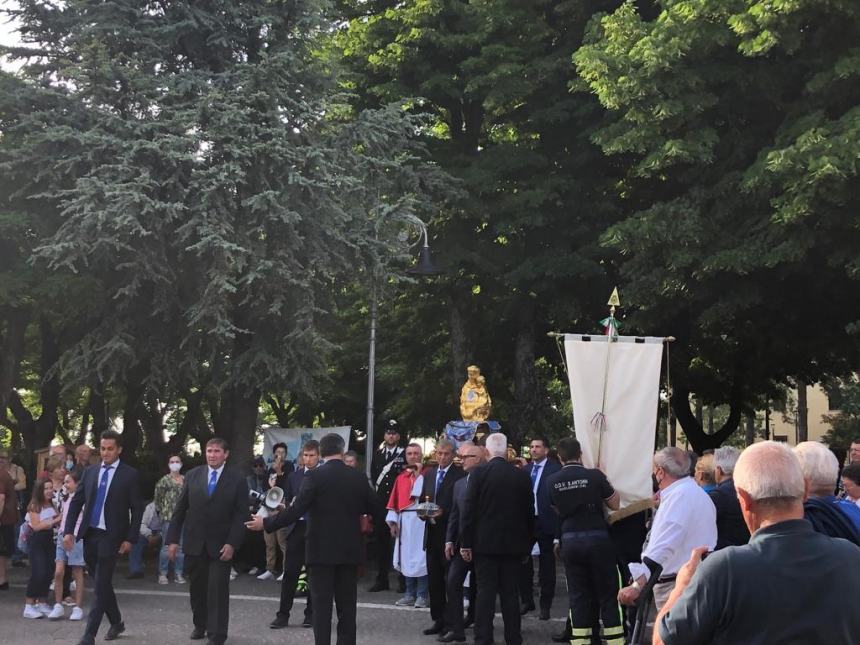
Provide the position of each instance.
(212, 508)
(471, 457)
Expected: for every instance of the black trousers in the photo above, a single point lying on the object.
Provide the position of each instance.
(497, 575)
(546, 573)
(334, 582)
(100, 556)
(293, 563)
(384, 550)
(42, 551)
(592, 581)
(457, 570)
(210, 594)
(437, 570)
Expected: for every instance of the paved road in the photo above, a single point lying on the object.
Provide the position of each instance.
(160, 615)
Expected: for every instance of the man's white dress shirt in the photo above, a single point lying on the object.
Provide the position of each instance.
(685, 519)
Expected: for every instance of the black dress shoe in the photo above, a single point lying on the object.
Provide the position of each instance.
(4, 586)
(280, 622)
(544, 614)
(135, 575)
(198, 634)
(435, 628)
(450, 637)
(378, 586)
(308, 621)
(114, 631)
(469, 620)
(526, 609)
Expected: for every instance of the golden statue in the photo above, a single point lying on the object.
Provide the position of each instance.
(475, 402)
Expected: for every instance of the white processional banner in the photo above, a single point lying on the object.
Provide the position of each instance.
(625, 386)
(295, 438)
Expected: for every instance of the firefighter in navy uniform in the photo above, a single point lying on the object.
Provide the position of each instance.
(579, 495)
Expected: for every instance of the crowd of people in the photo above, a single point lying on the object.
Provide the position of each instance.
(737, 546)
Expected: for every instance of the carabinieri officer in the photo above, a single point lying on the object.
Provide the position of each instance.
(579, 495)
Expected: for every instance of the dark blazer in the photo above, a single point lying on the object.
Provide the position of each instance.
(547, 518)
(498, 511)
(436, 532)
(293, 486)
(210, 522)
(731, 528)
(452, 533)
(123, 506)
(332, 498)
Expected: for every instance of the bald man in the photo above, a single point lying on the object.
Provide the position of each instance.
(790, 584)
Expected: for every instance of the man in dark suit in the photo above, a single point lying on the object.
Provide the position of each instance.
(496, 529)
(438, 487)
(211, 508)
(296, 533)
(731, 528)
(110, 495)
(333, 498)
(385, 466)
(472, 456)
(545, 525)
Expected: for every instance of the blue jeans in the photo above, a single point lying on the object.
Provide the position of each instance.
(163, 560)
(417, 587)
(135, 557)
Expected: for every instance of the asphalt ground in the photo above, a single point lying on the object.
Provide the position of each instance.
(160, 615)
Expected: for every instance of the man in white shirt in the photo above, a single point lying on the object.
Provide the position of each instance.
(686, 519)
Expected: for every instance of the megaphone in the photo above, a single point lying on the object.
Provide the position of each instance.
(273, 498)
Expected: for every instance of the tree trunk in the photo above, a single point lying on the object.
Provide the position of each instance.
(99, 413)
(527, 404)
(750, 429)
(673, 429)
(236, 422)
(131, 425)
(698, 438)
(11, 353)
(710, 419)
(459, 351)
(699, 417)
(802, 412)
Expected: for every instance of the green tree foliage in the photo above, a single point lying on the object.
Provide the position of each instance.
(521, 251)
(738, 125)
(198, 163)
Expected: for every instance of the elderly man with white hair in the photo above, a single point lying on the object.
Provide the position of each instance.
(828, 515)
(731, 528)
(685, 519)
(790, 584)
(496, 529)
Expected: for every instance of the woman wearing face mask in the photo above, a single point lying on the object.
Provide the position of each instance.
(167, 492)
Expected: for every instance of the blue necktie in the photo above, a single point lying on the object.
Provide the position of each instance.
(100, 497)
(439, 477)
(213, 479)
(535, 473)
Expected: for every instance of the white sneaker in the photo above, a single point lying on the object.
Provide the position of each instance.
(180, 580)
(73, 586)
(57, 612)
(281, 578)
(30, 611)
(42, 607)
(233, 573)
(77, 614)
(266, 575)
(162, 579)
(254, 571)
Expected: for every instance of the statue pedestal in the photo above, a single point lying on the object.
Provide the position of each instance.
(460, 431)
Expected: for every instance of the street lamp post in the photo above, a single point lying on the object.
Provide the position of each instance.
(424, 267)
